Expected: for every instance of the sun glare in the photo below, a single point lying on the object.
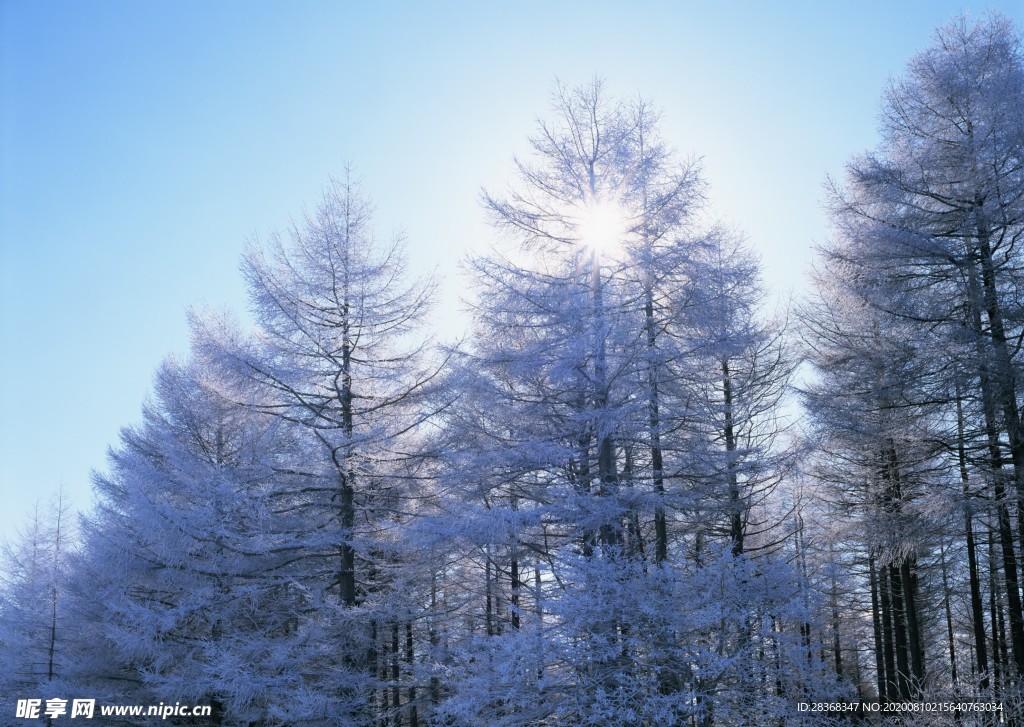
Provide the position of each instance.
(602, 226)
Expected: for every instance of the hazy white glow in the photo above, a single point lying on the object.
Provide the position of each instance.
(602, 226)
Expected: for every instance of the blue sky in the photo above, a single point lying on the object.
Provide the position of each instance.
(143, 143)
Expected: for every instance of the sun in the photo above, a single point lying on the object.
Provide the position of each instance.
(601, 226)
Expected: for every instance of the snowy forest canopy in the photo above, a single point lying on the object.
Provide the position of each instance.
(628, 496)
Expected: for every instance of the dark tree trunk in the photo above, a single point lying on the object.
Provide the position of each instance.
(1006, 539)
(396, 695)
(837, 651)
(908, 576)
(892, 680)
(516, 585)
(736, 508)
(899, 618)
(949, 616)
(876, 626)
(410, 655)
(654, 425)
(995, 615)
(977, 607)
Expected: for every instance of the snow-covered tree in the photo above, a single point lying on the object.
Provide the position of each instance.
(930, 224)
(619, 388)
(878, 431)
(735, 383)
(246, 549)
(185, 589)
(35, 628)
(338, 359)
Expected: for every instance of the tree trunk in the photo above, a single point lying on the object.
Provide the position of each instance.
(606, 468)
(949, 616)
(1006, 539)
(995, 615)
(488, 594)
(736, 509)
(837, 651)
(908, 576)
(899, 618)
(977, 608)
(654, 426)
(892, 680)
(876, 626)
(410, 655)
(516, 585)
(396, 694)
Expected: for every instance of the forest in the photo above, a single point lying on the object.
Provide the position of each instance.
(636, 492)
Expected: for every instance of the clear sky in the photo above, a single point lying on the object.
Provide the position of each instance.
(143, 143)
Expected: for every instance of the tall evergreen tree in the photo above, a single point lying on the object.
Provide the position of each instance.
(619, 389)
(931, 223)
(340, 360)
(35, 628)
